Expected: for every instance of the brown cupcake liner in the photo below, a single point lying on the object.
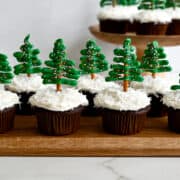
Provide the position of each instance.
(157, 108)
(151, 28)
(174, 119)
(124, 122)
(58, 123)
(114, 26)
(7, 119)
(174, 28)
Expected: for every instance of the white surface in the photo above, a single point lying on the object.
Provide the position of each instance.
(89, 169)
(47, 20)
(67, 99)
(116, 99)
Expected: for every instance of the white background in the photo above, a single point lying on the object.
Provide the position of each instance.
(47, 20)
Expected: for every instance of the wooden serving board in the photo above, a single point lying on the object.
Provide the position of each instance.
(90, 140)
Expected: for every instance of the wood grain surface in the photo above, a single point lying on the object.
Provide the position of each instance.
(90, 140)
(140, 41)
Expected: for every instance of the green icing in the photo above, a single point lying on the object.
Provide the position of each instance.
(29, 63)
(126, 67)
(60, 69)
(152, 4)
(153, 60)
(118, 2)
(176, 87)
(92, 60)
(172, 3)
(6, 74)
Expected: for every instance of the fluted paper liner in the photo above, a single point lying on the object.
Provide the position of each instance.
(58, 123)
(124, 122)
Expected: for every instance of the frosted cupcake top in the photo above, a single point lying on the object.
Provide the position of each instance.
(66, 100)
(172, 99)
(118, 12)
(8, 99)
(158, 85)
(156, 16)
(22, 83)
(116, 99)
(94, 85)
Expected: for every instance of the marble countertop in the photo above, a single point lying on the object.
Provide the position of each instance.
(89, 168)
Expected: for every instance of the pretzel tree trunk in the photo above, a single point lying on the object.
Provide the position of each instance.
(58, 86)
(154, 75)
(93, 76)
(28, 75)
(114, 3)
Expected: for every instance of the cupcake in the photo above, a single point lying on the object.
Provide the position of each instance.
(123, 110)
(92, 63)
(27, 80)
(154, 62)
(58, 109)
(9, 100)
(172, 101)
(152, 19)
(174, 11)
(118, 17)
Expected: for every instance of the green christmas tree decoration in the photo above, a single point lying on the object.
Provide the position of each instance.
(153, 60)
(118, 2)
(60, 69)
(29, 63)
(6, 74)
(172, 4)
(126, 67)
(152, 4)
(92, 60)
(176, 87)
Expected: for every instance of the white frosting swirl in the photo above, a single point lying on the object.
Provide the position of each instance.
(156, 85)
(172, 99)
(66, 100)
(116, 99)
(8, 99)
(156, 16)
(174, 13)
(118, 12)
(94, 85)
(22, 83)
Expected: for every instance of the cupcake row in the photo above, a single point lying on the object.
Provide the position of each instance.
(146, 18)
(58, 108)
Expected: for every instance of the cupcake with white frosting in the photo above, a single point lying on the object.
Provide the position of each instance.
(172, 101)
(8, 100)
(58, 110)
(123, 109)
(93, 62)
(152, 19)
(27, 80)
(173, 9)
(155, 85)
(117, 19)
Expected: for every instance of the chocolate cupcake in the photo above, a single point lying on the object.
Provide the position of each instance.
(7, 110)
(174, 26)
(155, 89)
(58, 113)
(123, 113)
(152, 22)
(25, 87)
(172, 101)
(118, 19)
